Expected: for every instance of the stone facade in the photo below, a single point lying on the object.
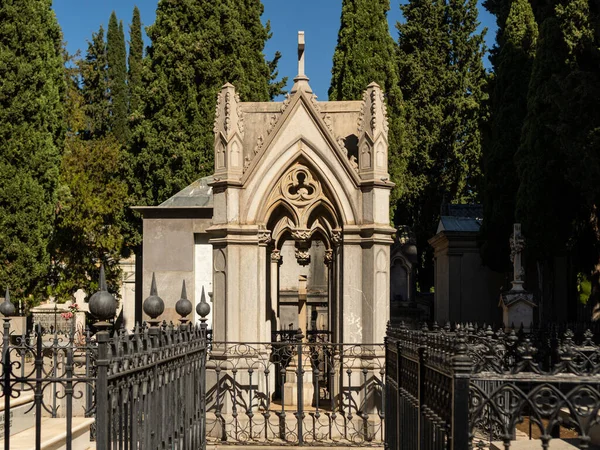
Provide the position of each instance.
(301, 181)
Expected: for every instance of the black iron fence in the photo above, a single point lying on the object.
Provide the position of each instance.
(143, 389)
(139, 389)
(296, 391)
(466, 387)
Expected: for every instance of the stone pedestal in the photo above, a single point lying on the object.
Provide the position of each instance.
(290, 388)
(517, 308)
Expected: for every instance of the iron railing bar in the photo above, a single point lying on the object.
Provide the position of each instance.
(6, 388)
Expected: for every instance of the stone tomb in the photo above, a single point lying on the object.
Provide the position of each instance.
(300, 187)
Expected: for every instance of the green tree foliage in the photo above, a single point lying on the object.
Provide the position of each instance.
(366, 52)
(558, 160)
(508, 111)
(90, 211)
(196, 48)
(136, 53)
(116, 56)
(92, 197)
(94, 78)
(442, 81)
(31, 136)
(541, 163)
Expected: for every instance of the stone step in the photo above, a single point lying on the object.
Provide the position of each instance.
(54, 435)
(535, 444)
(25, 397)
(22, 414)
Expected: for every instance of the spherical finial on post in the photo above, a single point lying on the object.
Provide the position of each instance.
(203, 308)
(103, 305)
(183, 305)
(7, 309)
(153, 306)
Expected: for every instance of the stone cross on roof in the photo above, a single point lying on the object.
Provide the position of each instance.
(301, 80)
(301, 45)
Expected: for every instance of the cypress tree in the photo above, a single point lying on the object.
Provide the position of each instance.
(558, 161)
(116, 56)
(95, 87)
(366, 52)
(31, 134)
(442, 80)
(91, 203)
(540, 160)
(196, 48)
(249, 50)
(136, 52)
(508, 111)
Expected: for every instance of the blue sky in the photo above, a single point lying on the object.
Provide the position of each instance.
(319, 19)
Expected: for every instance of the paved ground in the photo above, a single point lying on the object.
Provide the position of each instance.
(283, 447)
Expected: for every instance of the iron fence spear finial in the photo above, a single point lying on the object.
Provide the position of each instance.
(183, 305)
(103, 305)
(153, 306)
(203, 308)
(7, 308)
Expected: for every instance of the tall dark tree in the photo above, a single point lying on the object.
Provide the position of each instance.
(558, 161)
(94, 76)
(116, 56)
(442, 81)
(508, 111)
(254, 37)
(91, 201)
(136, 53)
(31, 135)
(196, 48)
(366, 52)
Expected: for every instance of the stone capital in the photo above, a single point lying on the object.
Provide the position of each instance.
(264, 237)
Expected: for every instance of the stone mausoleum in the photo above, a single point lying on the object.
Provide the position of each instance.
(299, 200)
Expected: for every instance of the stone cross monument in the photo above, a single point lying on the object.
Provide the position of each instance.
(517, 304)
(517, 244)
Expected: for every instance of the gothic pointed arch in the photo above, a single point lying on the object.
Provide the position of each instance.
(301, 194)
(299, 177)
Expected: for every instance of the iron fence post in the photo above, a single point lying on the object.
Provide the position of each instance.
(102, 436)
(300, 387)
(6, 367)
(203, 309)
(461, 374)
(203, 327)
(421, 398)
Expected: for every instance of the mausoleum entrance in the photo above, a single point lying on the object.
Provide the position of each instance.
(304, 226)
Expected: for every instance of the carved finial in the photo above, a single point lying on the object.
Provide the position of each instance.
(229, 133)
(373, 134)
